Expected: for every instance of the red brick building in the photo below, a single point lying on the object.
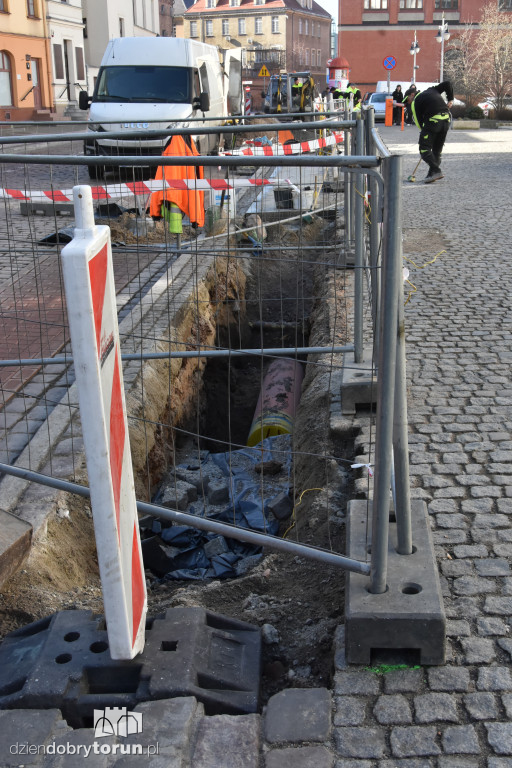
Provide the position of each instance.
(371, 30)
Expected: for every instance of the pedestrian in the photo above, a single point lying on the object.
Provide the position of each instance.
(398, 98)
(431, 113)
(407, 102)
(353, 90)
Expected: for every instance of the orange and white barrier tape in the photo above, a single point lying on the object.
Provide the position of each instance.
(298, 148)
(135, 188)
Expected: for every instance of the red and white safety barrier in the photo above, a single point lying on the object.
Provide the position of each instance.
(287, 149)
(91, 305)
(136, 188)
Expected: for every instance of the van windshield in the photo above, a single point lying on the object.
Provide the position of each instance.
(144, 83)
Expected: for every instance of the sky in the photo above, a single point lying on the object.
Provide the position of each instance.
(331, 6)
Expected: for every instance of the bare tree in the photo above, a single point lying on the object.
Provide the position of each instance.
(495, 48)
(463, 64)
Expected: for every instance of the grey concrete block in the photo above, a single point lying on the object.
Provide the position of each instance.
(231, 742)
(481, 706)
(433, 707)
(410, 614)
(392, 710)
(353, 682)
(178, 495)
(349, 710)
(499, 736)
(218, 492)
(298, 714)
(299, 757)
(461, 740)
(403, 680)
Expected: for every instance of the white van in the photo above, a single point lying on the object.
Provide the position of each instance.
(154, 83)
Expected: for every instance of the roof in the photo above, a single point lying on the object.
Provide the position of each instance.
(245, 5)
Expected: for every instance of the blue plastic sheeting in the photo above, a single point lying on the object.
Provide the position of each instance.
(249, 495)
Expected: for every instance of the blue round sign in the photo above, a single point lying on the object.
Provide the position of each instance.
(389, 62)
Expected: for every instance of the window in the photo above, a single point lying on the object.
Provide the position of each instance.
(318, 57)
(313, 57)
(4, 6)
(80, 69)
(32, 8)
(193, 29)
(275, 24)
(210, 3)
(258, 25)
(121, 27)
(225, 27)
(58, 61)
(411, 3)
(306, 31)
(505, 5)
(300, 26)
(234, 3)
(450, 5)
(318, 29)
(5, 80)
(375, 5)
(241, 27)
(306, 57)
(259, 2)
(209, 28)
(84, 22)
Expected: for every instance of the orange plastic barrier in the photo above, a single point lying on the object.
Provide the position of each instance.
(388, 118)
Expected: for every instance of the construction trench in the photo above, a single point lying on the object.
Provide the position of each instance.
(184, 412)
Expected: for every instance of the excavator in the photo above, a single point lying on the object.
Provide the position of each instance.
(290, 92)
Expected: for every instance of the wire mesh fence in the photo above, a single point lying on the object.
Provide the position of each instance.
(234, 328)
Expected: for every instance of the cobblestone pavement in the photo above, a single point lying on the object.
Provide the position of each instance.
(459, 348)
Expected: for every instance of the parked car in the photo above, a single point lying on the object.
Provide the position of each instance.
(377, 101)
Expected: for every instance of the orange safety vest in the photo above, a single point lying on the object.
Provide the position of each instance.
(190, 201)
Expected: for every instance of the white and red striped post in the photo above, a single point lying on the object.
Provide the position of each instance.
(248, 101)
(92, 315)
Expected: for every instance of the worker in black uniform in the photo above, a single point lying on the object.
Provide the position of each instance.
(296, 91)
(407, 103)
(431, 113)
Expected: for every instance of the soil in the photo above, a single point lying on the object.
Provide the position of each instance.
(297, 602)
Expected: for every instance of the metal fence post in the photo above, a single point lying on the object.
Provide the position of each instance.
(358, 185)
(400, 440)
(348, 182)
(391, 274)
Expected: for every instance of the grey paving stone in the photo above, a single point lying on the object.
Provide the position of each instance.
(455, 568)
(501, 606)
(359, 682)
(403, 681)
(506, 644)
(499, 762)
(478, 650)
(460, 740)
(471, 550)
(366, 742)
(414, 741)
(481, 706)
(448, 679)
(494, 679)
(415, 762)
(499, 736)
(23, 729)
(349, 710)
(298, 714)
(392, 710)
(493, 566)
(225, 740)
(457, 762)
(492, 625)
(507, 703)
(299, 757)
(433, 707)
(79, 749)
(457, 628)
(354, 763)
(474, 585)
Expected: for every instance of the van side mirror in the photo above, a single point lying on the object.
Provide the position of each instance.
(84, 100)
(202, 102)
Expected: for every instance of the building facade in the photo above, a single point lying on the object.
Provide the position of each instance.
(69, 74)
(275, 36)
(25, 69)
(166, 18)
(372, 31)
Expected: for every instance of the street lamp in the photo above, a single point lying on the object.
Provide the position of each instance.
(415, 48)
(441, 36)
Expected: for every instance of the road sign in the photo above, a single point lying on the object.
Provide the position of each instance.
(91, 304)
(263, 72)
(389, 62)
